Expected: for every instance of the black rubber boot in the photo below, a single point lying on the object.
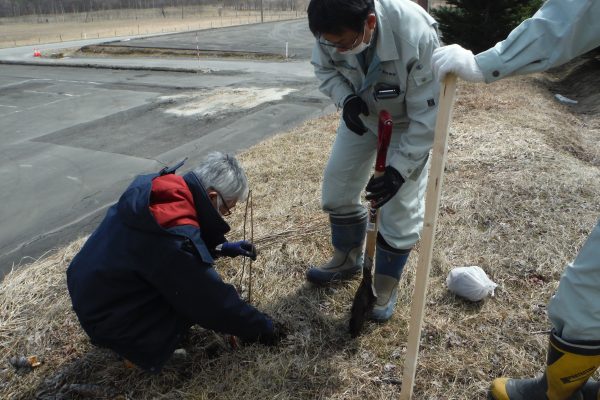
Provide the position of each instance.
(348, 237)
(389, 264)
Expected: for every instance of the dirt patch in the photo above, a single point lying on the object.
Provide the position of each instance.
(213, 102)
(578, 80)
(129, 51)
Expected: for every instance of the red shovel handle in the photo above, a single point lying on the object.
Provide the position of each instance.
(365, 296)
(384, 135)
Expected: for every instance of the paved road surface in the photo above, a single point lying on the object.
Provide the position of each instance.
(73, 138)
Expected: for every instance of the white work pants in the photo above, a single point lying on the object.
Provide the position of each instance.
(348, 170)
(575, 308)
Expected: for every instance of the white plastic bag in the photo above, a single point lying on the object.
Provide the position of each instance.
(470, 282)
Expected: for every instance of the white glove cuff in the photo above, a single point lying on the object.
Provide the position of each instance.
(457, 60)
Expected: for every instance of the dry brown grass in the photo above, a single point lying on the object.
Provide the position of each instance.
(106, 24)
(515, 202)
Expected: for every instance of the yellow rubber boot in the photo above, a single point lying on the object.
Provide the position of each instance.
(568, 368)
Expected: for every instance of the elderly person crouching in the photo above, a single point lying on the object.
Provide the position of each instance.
(146, 275)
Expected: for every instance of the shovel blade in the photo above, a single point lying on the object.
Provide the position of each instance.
(364, 300)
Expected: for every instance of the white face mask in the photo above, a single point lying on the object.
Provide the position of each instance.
(362, 46)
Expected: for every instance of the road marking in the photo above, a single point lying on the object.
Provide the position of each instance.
(40, 92)
(79, 82)
(15, 83)
(55, 93)
(44, 104)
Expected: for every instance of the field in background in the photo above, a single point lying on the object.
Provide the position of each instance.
(33, 30)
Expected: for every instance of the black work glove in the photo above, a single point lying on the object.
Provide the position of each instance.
(279, 333)
(272, 338)
(233, 249)
(381, 189)
(353, 106)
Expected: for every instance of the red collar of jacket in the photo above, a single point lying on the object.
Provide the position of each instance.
(172, 202)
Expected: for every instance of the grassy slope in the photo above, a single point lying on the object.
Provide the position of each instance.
(518, 201)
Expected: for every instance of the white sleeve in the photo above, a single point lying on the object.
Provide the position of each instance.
(560, 31)
(333, 83)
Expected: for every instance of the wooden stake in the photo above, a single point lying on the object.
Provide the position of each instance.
(252, 241)
(248, 206)
(432, 203)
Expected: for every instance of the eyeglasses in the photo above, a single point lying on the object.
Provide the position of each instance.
(227, 209)
(327, 43)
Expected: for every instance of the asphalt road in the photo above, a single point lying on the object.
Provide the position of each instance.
(72, 138)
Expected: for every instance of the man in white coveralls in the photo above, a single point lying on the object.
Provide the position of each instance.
(371, 56)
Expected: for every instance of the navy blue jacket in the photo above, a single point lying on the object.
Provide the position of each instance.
(137, 287)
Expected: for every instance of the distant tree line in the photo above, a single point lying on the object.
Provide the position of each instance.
(17, 8)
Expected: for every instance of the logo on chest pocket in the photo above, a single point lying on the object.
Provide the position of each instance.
(388, 73)
(385, 91)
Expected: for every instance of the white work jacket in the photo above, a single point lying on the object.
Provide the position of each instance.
(405, 40)
(560, 31)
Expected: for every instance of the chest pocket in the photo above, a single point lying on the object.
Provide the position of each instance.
(420, 75)
(389, 91)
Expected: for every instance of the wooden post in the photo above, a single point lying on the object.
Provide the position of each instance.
(432, 203)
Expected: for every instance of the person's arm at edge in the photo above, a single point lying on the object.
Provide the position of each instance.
(560, 31)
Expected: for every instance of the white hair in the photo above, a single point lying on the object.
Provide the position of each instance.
(223, 173)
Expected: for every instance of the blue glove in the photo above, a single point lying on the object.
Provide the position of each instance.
(233, 249)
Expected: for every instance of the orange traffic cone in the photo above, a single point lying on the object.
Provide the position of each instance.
(36, 53)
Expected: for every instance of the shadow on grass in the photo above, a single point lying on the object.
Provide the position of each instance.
(303, 365)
